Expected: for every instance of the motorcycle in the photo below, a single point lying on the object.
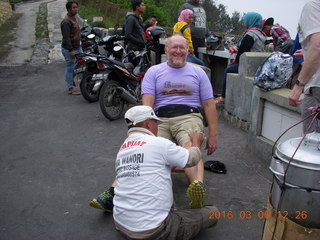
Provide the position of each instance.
(89, 39)
(89, 45)
(121, 82)
(89, 64)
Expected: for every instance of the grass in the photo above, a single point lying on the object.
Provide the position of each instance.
(7, 31)
(88, 12)
(41, 30)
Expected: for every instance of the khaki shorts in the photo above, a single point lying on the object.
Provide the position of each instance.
(177, 129)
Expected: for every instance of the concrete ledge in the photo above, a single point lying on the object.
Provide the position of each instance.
(238, 96)
(263, 124)
(250, 61)
(278, 97)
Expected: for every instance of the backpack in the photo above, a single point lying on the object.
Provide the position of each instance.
(214, 42)
(274, 72)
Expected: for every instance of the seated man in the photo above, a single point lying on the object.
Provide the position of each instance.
(143, 194)
(177, 90)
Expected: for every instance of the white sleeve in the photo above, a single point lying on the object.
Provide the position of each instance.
(176, 156)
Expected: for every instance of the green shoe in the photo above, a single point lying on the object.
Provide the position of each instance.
(104, 201)
(197, 194)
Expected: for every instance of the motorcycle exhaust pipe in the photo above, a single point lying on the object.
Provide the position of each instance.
(97, 86)
(126, 95)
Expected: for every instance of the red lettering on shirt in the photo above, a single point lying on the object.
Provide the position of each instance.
(132, 144)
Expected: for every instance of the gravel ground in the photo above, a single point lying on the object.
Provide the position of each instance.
(42, 44)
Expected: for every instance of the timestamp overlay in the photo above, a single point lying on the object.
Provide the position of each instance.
(249, 214)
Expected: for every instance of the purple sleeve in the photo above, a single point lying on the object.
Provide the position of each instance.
(206, 91)
(148, 85)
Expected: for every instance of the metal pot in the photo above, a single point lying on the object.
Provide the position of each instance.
(300, 199)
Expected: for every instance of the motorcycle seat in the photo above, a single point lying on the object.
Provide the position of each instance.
(128, 66)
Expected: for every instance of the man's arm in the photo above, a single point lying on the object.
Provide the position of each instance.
(194, 150)
(211, 115)
(148, 100)
(310, 66)
(66, 32)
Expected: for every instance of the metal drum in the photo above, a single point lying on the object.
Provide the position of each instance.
(301, 197)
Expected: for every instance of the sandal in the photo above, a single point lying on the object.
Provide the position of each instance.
(215, 166)
(219, 100)
(72, 91)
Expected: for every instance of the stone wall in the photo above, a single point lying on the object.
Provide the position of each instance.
(5, 11)
(264, 115)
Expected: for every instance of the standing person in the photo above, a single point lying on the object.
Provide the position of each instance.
(152, 21)
(133, 28)
(309, 77)
(199, 26)
(253, 40)
(143, 202)
(71, 37)
(183, 27)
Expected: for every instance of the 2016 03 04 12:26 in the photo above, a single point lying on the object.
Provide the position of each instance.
(248, 214)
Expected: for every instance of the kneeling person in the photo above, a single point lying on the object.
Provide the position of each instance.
(143, 194)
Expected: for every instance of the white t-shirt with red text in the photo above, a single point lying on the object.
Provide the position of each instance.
(143, 195)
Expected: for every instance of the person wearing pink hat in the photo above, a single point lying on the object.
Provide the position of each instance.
(183, 27)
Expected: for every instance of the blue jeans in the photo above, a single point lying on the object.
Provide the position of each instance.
(70, 65)
(232, 69)
(193, 59)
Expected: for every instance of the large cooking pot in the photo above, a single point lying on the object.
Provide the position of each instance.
(300, 199)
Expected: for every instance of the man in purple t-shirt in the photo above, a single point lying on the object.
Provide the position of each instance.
(176, 90)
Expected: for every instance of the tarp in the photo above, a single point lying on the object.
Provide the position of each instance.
(286, 229)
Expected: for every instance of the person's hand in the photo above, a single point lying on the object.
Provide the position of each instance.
(212, 144)
(196, 139)
(233, 49)
(294, 96)
(298, 53)
(72, 54)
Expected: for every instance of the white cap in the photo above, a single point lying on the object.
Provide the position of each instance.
(139, 114)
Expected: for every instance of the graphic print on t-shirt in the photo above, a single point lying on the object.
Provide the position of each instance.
(129, 165)
(176, 89)
(200, 20)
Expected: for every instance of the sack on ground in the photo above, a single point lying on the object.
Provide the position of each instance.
(274, 72)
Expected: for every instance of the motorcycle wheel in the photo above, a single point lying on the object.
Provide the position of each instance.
(86, 86)
(110, 104)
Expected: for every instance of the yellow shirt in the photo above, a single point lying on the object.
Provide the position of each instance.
(186, 34)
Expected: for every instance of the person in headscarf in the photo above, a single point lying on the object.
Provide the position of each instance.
(182, 27)
(252, 40)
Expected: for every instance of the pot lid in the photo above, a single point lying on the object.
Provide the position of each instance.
(308, 154)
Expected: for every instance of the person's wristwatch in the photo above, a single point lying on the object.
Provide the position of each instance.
(300, 83)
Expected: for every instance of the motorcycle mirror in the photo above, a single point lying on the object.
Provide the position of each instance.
(91, 35)
(117, 48)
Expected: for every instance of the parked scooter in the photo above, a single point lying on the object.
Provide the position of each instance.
(88, 64)
(89, 37)
(122, 81)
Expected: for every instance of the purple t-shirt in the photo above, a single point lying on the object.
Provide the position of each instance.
(188, 85)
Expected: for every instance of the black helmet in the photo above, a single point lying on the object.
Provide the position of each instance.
(154, 33)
